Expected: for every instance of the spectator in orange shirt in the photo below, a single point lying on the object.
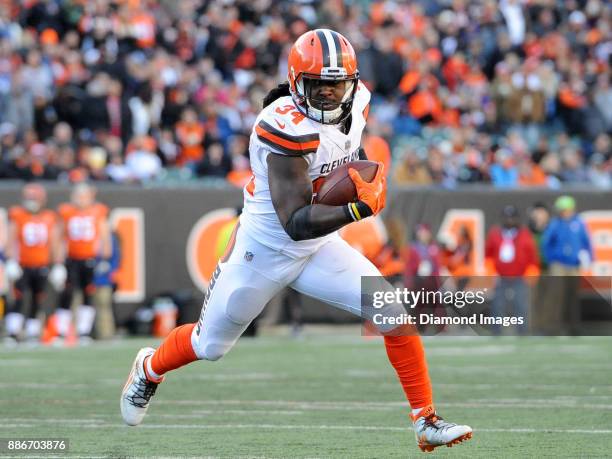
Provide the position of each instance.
(190, 134)
(457, 256)
(531, 174)
(425, 105)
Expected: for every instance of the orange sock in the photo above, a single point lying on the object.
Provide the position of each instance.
(174, 352)
(407, 356)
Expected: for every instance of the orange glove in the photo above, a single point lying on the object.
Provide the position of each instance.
(373, 194)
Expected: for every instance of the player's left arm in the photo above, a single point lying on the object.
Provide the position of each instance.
(291, 192)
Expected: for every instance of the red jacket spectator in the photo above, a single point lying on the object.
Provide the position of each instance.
(512, 250)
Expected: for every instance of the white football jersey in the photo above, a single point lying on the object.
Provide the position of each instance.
(282, 129)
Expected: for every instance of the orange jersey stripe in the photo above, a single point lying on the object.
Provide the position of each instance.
(366, 111)
(230, 246)
(293, 145)
(250, 187)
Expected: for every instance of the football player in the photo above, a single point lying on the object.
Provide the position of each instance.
(309, 125)
(87, 236)
(34, 256)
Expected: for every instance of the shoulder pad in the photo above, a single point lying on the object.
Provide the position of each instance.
(16, 212)
(283, 128)
(101, 209)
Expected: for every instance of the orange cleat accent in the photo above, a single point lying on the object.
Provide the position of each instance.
(426, 411)
(427, 448)
(431, 430)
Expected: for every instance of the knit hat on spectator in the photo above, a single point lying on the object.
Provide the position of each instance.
(565, 203)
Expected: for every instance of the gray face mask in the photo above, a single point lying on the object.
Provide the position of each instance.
(31, 205)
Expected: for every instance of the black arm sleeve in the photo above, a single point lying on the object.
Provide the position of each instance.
(310, 222)
(291, 193)
(362, 154)
(302, 225)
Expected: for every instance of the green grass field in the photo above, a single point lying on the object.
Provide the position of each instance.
(320, 396)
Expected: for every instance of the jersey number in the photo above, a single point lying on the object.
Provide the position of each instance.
(81, 229)
(35, 234)
(296, 116)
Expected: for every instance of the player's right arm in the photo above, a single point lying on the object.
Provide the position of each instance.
(286, 150)
(12, 241)
(291, 192)
(12, 268)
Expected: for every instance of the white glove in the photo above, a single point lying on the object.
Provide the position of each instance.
(13, 270)
(57, 277)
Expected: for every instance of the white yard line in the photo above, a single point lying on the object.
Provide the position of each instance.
(297, 406)
(485, 386)
(20, 362)
(31, 385)
(322, 427)
(366, 374)
(57, 420)
(52, 456)
(242, 377)
(357, 405)
(198, 414)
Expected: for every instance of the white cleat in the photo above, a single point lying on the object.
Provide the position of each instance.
(432, 431)
(137, 391)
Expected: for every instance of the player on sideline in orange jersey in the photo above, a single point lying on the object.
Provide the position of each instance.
(308, 126)
(34, 256)
(86, 233)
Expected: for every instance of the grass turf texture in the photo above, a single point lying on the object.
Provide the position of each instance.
(318, 397)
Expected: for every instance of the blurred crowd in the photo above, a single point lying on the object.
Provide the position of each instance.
(515, 93)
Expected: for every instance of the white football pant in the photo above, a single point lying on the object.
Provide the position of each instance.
(253, 274)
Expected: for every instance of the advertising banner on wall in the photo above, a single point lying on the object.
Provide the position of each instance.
(171, 238)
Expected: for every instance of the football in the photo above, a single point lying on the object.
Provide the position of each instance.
(338, 189)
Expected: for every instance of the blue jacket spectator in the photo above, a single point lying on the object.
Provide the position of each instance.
(566, 236)
(504, 174)
(504, 178)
